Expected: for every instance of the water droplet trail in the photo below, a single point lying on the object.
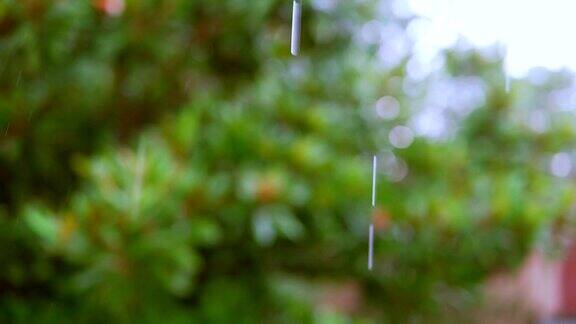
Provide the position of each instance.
(370, 246)
(374, 166)
(296, 27)
(371, 229)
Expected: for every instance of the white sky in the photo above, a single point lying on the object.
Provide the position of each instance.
(536, 32)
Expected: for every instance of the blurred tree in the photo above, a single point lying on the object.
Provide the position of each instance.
(169, 161)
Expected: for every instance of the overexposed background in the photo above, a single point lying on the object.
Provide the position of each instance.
(535, 33)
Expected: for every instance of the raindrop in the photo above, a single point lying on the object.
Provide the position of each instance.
(371, 229)
(296, 25)
(374, 167)
(370, 246)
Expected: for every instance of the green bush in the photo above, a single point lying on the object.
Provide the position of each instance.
(175, 164)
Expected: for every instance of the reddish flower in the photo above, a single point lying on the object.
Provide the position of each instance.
(381, 219)
(110, 7)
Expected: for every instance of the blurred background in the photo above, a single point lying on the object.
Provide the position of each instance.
(169, 161)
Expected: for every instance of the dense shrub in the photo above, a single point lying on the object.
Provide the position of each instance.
(173, 163)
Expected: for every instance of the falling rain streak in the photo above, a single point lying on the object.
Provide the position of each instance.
(295, 50)
(374, 166)
(370, 246)
(371, 229)
(296, 26)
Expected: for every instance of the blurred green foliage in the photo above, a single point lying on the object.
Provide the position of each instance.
(174, 163)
